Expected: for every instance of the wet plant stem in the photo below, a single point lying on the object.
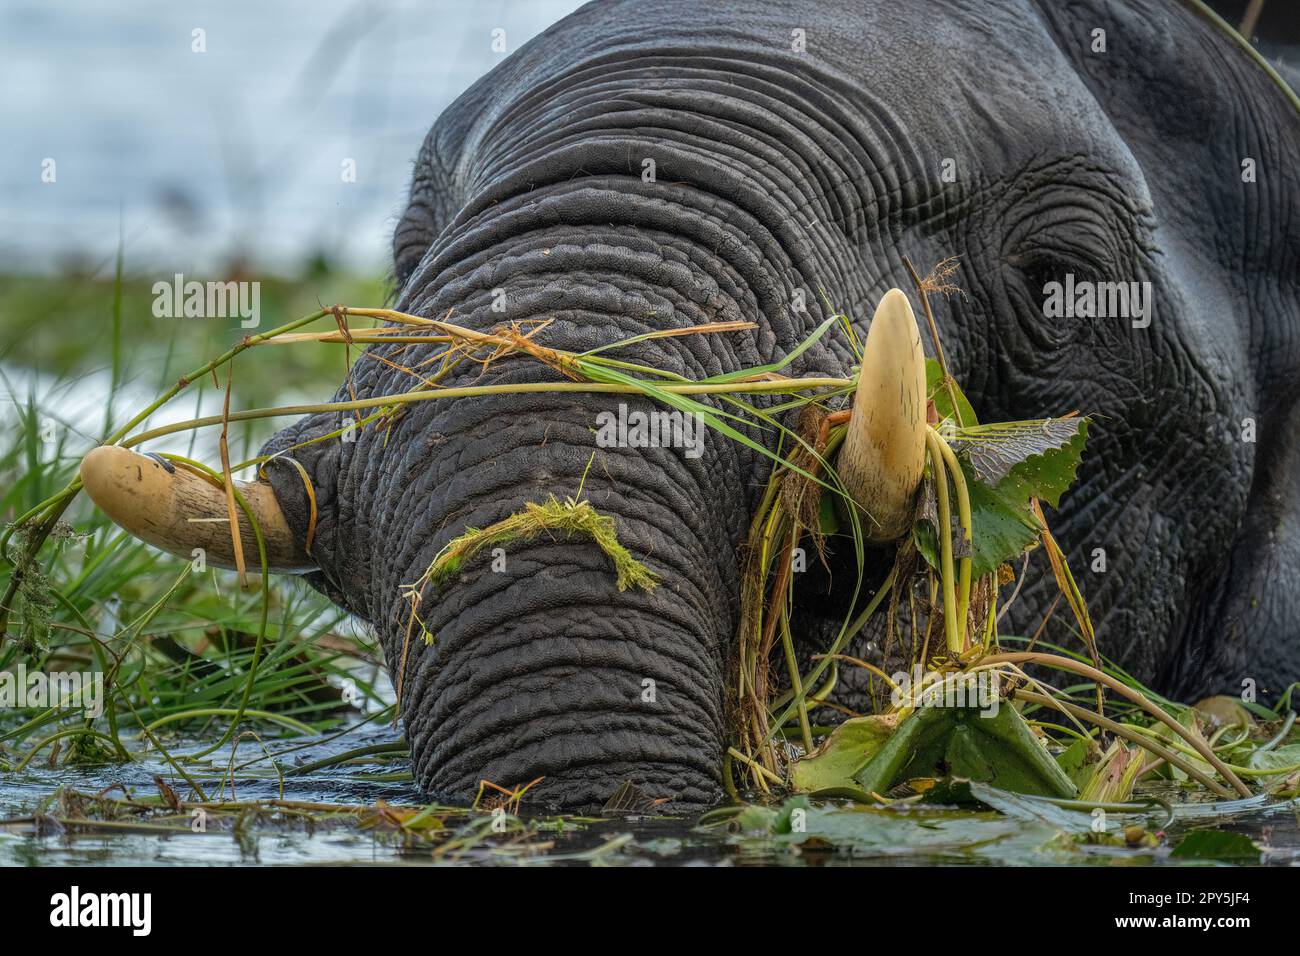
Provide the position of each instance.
(1235, 768)
(767, 386)
(949, 383)
(1077, 667)
(843, 638)
(398, 747)
(1164, 753)
(763, 772)
(947, 576)
(796, 681)
(964, 521)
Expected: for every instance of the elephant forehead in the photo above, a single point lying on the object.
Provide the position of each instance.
(877, 96)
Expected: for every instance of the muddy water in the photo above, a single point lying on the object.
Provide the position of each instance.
(40, 828)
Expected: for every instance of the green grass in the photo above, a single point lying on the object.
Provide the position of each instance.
(176, 646)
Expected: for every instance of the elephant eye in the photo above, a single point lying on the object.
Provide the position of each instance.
(1066, 300)
(1031, 281)
(1041, 271)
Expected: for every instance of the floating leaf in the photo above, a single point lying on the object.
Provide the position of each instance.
(869, 832)
(842, 753)
(1216, 845)
(1284, 759)
(993, 745)
(1022, 807)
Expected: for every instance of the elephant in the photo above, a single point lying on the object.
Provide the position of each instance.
(640, 167)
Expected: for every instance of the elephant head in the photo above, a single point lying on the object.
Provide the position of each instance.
(641, 167)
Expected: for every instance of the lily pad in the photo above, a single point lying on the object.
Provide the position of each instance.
(832, 765)
(872, 832)
(1216, 845)
(1022, 807)
(993, 746)
(996, 451)
(1284, 760)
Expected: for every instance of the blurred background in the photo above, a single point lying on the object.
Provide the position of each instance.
(219, 139)
(228, 139)
(198, 160)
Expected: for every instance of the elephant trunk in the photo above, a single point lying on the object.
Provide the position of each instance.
(537, 665)
(525, 660)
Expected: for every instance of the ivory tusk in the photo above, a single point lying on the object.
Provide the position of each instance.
(883, 455)
(179, 510)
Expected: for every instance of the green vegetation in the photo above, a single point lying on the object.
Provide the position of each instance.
(188, 656)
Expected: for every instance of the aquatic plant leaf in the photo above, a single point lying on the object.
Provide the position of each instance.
(994, 451)
(1002, 521)
(1216, 845)
(1046, 476)
(992, 746)
(930, 833)
(938, 393)
(755, 818)
(842, 754)
(1284, 760)
(1002, 529)
(1114, 776)
(1002, 526)
(1075, 761)
(786, 820)
(1021, 806)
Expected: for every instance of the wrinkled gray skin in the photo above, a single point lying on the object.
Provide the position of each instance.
(778, 171)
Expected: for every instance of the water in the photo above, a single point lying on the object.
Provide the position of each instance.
(837, 833)
(195, 158)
